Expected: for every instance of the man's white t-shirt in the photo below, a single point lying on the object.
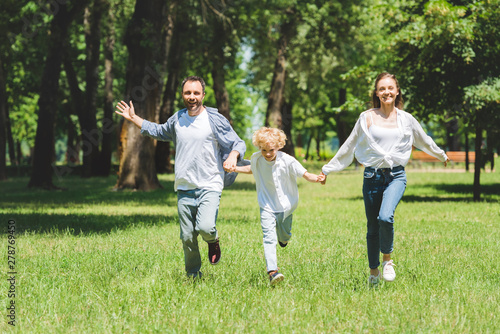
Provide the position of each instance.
(197, 159)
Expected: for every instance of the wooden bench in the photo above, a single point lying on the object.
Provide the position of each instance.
(454, 156)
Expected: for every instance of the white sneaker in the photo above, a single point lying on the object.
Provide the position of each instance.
(374, 279)
(388, 273)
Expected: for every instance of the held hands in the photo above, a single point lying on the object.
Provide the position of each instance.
(446, 162)
(322, 178)
(313, 177)
(230, 163)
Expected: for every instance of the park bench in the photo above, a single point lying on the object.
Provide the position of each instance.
(454, 156)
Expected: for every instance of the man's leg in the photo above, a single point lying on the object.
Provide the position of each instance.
(206, 219)
(186, 207)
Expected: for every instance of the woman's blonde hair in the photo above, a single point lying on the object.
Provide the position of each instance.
(268, 136)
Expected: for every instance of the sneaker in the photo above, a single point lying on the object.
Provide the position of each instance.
(283, 244)
(373, 280)
(275, 277)
(388, 273)
(214, 252)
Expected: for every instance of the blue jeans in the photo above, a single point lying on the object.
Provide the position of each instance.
(274, 228)
(382, 190)
(198, 211)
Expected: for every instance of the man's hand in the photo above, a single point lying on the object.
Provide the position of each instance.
(128, 112)
(230, 162)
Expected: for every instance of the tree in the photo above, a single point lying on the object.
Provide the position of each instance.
(483, 103)
(174, 51)
(41, 175)
(144, 40)
(3, 122)
(444, 49)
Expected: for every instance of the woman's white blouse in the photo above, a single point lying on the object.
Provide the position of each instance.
(361, 145)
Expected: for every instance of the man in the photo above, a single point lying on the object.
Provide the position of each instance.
(205, 146)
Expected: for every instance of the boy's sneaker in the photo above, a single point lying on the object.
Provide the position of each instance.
(388, 273)
(283, 244)
(373, 280)
(275, 277)
(214, 252)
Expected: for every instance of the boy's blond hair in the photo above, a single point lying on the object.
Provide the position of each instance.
(269, 136)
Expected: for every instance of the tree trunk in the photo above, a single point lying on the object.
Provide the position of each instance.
(137, 167)
(174, 51)
(163, 154)
(318, 144)
(467, 149)
(309, 141)
(452, 139)
(14, 158)
(287, 129)
(91, 136)
(41, 176)
(276, 100)
(3, 123)
(108, 126)
(489, 149)
(72, 147)
(342, 127)
(218, 62)
(478, 163)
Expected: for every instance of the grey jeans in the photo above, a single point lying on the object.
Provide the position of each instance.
(274, 228)
(198, 211)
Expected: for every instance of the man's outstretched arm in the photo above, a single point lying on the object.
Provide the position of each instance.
(128, 112)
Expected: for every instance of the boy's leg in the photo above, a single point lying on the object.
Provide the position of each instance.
(186, 207)
(284, 228)
(268, 223)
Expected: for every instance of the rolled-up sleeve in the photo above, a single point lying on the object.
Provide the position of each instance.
(227, 137)
(345, 155)
(163, 132)
(425, 143)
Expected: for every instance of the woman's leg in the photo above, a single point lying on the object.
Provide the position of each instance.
(391, 197)
(372, 195)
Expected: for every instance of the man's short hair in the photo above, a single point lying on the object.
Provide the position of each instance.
(193, 78)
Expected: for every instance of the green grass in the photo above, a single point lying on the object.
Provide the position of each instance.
(91, 260)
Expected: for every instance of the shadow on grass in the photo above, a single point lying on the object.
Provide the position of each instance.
(28, 206)
(490, 193)
(15, 193)
(74, 224)
(243, 185)
(454, 193)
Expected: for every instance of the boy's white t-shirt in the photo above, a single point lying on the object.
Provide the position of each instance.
(197, 159)
(276, 182)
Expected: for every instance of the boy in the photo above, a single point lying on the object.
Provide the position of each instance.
(275, 174)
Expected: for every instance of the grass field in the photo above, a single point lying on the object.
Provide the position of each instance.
(91, 260)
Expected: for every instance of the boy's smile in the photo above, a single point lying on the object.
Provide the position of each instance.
(269, 151)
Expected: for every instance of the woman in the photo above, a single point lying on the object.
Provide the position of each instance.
(382, 141)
